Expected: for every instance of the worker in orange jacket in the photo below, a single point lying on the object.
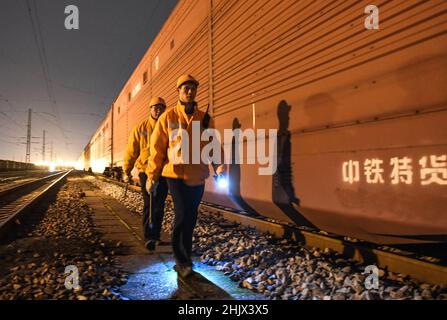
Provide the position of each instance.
(186, 180)
(137, 154)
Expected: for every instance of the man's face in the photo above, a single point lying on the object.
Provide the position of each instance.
(187, 92)
(157, 110)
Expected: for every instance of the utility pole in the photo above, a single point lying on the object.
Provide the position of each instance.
(28, 138)
(43, 147)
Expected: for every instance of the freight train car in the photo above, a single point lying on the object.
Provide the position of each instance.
(360, 110)
(8, 165)
(97, 154)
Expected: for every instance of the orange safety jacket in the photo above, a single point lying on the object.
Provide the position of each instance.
(163, 143)
(138, 146)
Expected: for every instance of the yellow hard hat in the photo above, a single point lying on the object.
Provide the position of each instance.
(156, 100)
(186, 78)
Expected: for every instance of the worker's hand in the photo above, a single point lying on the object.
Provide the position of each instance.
(151, 186)
(220, 170)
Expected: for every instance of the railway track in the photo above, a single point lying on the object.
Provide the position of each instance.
(415, 262)
(19, 172)
(17, 199)
(9, 178)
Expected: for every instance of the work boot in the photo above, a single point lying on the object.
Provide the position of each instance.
(150, 245)
(183, 270)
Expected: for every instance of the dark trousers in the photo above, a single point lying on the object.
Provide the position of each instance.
(152, 222)
(186, 203)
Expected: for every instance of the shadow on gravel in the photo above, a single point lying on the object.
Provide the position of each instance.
(197, 287)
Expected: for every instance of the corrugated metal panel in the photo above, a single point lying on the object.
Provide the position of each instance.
(98, 152)
(190, 15)
(317, 57)
(138, 109)
(120, 131)
(191, 58)
(308, 42)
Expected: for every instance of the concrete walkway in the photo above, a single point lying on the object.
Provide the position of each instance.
(151, 275)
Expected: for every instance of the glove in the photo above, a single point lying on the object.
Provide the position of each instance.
(151, 186)
(220, 170)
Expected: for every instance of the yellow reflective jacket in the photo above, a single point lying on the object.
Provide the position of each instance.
(164, 143)
(138, 146)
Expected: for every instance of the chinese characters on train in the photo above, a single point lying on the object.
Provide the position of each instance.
(427, 170)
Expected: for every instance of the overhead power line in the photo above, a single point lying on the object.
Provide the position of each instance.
(40, 44)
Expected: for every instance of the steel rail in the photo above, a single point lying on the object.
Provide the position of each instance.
(17, 207)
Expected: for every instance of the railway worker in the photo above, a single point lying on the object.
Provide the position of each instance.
(137, 153)
(186, 180)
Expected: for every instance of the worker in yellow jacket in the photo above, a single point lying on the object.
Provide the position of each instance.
(186, 179)
(137, 153)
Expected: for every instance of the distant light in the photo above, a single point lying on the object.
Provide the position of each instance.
(99, 165)
(79, 165)
(52, 167)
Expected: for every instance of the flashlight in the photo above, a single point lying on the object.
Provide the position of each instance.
(222, 182)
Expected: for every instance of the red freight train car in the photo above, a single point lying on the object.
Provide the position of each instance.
(360, 112)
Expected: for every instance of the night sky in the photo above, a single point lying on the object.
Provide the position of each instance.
(86, 68)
